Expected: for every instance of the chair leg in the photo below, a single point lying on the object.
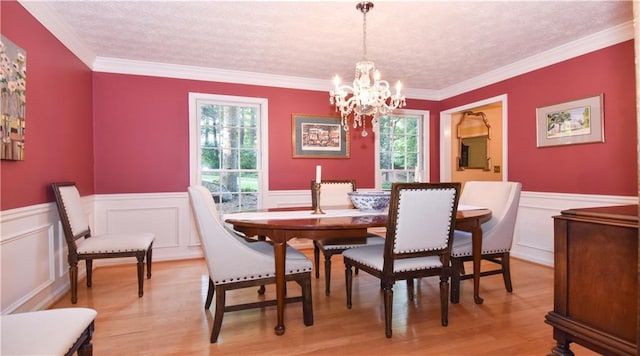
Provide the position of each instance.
(388, 309)
(316, 258)
(149, 256)
(261, 290)
(506, 272)
(210, 292)
(348, 276)
(217, 319)
(456, 265)
(73, 279)
(89, 264)
(86, 349)
(327, 274)
(307, 301)
(410, 288)
(444, 300)
(140, 259)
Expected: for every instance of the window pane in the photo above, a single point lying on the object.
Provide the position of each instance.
(399, 148)
(229, 152)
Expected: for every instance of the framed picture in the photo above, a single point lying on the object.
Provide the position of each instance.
(573, 122)
(315, 136)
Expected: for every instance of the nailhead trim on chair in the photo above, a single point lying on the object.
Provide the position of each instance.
(483, 252)
(249, 278)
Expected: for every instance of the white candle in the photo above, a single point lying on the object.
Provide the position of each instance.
(416, 175)
(318, 173)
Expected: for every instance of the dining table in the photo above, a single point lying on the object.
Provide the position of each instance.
(279, 225)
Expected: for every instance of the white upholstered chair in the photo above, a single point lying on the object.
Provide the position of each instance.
(497, 233)
(62, 331)
(418, 243)
(83, 246)
(235, 263)
(334, 193)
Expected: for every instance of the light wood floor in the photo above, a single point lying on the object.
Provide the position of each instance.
(170, 318)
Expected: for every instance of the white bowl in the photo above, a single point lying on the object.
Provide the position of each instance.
(370, 201)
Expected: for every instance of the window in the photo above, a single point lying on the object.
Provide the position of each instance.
(226, 153)
(402, 148)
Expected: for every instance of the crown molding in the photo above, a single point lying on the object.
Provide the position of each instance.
(126, 66)
(43, 12)
(591, 43)
(50, 20)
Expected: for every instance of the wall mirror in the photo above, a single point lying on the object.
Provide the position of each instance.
(474, 135)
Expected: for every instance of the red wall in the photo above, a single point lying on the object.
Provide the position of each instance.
(142, 134)
(608, 168)
(58, 132)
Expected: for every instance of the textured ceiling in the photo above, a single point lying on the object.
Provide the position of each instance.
(426, 44)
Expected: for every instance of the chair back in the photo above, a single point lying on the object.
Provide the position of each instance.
(421, 221)
(503, 199)
(72, 216)
(222, 250)
(334, 192)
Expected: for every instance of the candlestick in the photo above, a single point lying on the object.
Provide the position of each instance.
(316, 191)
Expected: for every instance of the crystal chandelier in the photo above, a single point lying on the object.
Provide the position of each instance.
(369, 95)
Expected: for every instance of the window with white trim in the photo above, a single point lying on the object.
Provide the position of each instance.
(402, 148)
(226, 149)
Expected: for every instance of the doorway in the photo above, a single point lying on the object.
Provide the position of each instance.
(495, 109)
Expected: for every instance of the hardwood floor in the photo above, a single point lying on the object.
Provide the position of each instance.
(170, 318)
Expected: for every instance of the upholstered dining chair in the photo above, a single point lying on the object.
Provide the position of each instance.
(502, 198)
(236, 263)
(334, 193)
(82, 245)
(62, 331)
(418, 243)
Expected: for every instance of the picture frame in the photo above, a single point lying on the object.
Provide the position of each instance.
(573, 122)
(317, 136)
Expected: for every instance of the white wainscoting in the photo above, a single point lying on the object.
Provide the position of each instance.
(533, 238)
(34, 266)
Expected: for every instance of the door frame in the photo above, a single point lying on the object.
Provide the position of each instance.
(446, 165)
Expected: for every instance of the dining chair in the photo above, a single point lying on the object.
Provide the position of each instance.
(418, 243)
(502, 198)
(334, 193)
(82, 245)
(62, 331)
(235, 263)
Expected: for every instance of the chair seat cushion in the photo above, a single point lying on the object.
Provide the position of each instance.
(371, 240)
(373, 256)
(262, 264)
(115, 243)
(267, 249)
(44, 332)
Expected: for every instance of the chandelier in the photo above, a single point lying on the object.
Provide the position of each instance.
(369, 95)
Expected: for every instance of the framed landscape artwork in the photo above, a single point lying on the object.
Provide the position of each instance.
(573, 122)
(315, 136)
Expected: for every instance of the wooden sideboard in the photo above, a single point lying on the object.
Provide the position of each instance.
(596, 280)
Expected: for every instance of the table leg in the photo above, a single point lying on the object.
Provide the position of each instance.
(280, 254)
(476, 241)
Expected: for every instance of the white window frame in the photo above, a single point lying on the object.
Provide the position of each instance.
(195, 99)
(424, 154)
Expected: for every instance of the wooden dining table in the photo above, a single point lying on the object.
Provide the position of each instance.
(281, 225)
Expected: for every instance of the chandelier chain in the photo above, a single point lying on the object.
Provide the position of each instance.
(364, 36)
